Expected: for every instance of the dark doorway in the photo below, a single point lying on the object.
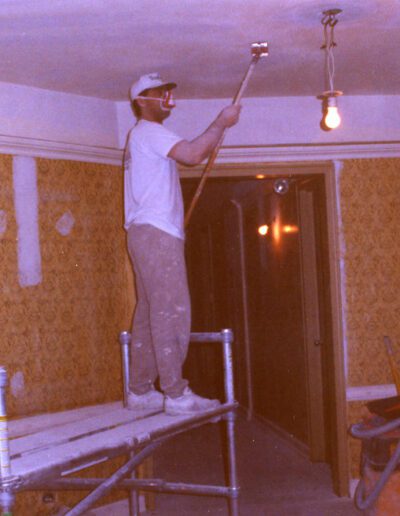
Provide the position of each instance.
(257, 263)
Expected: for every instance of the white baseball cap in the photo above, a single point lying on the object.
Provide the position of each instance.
(151, 80)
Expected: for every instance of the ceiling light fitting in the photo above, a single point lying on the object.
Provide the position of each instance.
(281, 186)
(331, 118)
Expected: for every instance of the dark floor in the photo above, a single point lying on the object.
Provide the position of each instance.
(275, 479)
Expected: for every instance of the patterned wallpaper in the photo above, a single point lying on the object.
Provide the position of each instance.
(370, 205)
(59, 338)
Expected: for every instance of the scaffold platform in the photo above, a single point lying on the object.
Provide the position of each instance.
(40, 452)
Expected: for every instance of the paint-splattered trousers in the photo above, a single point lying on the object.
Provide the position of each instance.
(161, 323)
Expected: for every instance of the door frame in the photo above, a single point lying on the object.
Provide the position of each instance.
(311, 312)
(330, 171)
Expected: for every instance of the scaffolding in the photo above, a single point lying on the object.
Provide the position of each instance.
(39, 452)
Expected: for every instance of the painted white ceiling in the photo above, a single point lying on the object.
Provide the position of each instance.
(98, 47)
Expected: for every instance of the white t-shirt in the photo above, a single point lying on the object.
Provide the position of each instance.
(152, 189)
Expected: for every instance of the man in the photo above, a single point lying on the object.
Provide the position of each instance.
(154, 223)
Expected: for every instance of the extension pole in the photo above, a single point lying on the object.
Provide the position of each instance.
(257, 50)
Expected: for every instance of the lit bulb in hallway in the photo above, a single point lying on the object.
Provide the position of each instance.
(287, 228)
(263, 230)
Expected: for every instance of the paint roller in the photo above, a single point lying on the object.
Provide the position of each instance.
(258, 50)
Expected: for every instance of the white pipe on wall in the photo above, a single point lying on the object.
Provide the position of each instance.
(26, 214)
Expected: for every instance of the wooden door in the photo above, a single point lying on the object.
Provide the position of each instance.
(312, 327)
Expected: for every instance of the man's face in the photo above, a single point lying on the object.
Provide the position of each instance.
(152, 108)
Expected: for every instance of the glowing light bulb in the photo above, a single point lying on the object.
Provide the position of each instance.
(332, 117)
(287, 228)
(263, 230)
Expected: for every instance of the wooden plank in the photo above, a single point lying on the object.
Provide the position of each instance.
(32, 424)
(72, 431)
(45, 460)
(56, 456)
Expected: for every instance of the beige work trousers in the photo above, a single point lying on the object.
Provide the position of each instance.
(161, 323)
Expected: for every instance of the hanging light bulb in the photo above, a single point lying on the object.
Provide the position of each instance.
(331, 118)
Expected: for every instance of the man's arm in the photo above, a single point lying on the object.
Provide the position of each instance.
(193, 152)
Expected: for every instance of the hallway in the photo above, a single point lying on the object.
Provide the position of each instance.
(275, 479)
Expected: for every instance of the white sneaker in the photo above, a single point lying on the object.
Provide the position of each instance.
(151, 399)
(189, 403)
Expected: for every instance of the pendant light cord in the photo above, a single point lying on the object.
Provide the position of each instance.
(329, 21)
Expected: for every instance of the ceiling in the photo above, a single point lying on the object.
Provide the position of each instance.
(98, 47)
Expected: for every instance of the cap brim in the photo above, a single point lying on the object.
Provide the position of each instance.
(170, 86)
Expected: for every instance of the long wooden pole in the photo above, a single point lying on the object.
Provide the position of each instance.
(258, 52)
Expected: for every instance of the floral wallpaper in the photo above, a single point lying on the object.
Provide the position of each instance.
(59, 338)
(370, 206)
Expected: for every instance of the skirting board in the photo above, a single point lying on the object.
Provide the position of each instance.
(370, 392)
(284, 436)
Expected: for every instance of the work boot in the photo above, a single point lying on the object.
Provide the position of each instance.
(188, 404)
(152, 400)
